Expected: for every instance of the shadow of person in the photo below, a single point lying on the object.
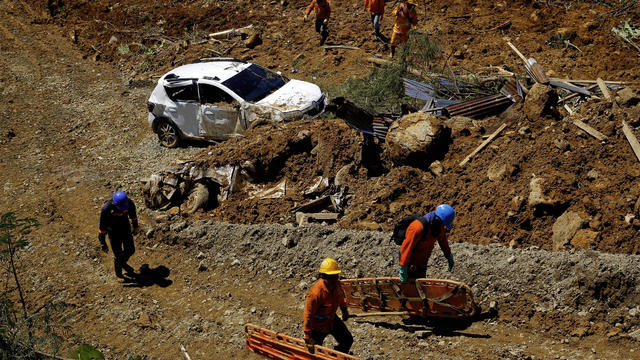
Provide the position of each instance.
(147, 276)
(439, 326)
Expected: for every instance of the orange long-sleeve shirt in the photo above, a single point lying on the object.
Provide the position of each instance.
(320, 307)
(416, 251)
(322, 7)
(375, 7)
(405, 18)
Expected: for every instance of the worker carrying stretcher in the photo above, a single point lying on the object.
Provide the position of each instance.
(419, 240)
(320, 319)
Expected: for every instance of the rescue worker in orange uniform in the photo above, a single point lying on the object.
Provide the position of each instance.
(420, 238)
(406, 16)
(320, 319)
(376, 10)
(323, 12)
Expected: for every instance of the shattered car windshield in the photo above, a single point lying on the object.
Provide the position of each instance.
(255, 83)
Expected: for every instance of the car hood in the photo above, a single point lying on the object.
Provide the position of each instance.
(294, 95)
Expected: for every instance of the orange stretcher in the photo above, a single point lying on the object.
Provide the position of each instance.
(273, 345)
(434, 298)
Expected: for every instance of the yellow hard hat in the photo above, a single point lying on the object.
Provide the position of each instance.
(329, 267)
(412, 2)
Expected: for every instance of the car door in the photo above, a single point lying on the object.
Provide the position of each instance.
(184, 111)
(220, 114)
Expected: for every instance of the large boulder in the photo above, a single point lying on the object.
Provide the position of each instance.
(416, 140)
(541, 102)
(565, 228)
(540, 193)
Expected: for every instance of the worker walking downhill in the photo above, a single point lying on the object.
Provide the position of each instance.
(406, 16)
(114, 220)
(320, 319)
(323, 12)
(420, 238)
(376, 10)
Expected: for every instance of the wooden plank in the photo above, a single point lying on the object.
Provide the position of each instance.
(604, 89)
(484, 143)
(589, 130)
(633, 141)
(596, 81)
(568, 109)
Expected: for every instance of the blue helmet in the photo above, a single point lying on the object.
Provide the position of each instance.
(446, 214)
(121, 200)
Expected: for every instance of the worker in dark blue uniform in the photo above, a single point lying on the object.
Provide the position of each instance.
(114, 220)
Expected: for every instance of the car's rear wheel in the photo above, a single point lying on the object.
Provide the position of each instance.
(168, 134)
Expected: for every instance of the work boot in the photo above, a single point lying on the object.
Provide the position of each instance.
(128, 269)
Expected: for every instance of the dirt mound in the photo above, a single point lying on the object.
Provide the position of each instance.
(511, 193)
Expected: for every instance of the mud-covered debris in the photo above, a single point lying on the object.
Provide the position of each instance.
(565, 228)
(541, 102)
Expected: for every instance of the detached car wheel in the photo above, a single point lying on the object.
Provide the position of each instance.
(168, 134)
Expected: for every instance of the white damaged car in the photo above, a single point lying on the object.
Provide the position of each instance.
(219, 98)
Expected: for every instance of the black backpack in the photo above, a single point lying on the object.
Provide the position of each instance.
(401, 227)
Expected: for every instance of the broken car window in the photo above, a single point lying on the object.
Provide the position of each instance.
(255, 83)
(210, 94)
(181, 91)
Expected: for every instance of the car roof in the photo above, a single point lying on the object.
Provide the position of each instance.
(211, 69)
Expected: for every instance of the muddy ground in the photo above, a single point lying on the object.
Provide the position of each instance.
(74, 130)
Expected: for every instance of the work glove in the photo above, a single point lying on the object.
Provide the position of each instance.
(310, 344)
(404, 274)
(135, 224)
(325, 22)
(451, 262)
(304, 18)
(103, 243)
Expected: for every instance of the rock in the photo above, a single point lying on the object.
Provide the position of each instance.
(422, 334)
(200, 255)
(235, 262)
(541, 102)
(144, 321)
(436, 168)
(627, 97)
(496, 171)
(629, 218)
(417, 139)
(303, 284)
(173, 211)
(289, 242)
(177, 227)
(516, 202)
(253, 40)
(585, 238)
(524, 130)
(113, 40)
(149, 233)
(635, 334)
(369, 225)
(511, 259)
(342, 176)
(459, 123)
(203, 266)
(562, 144)
(565, 228)
(593, 174)
(538, 194)
(633, 312)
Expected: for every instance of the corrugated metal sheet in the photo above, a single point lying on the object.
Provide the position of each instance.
(484, 106)
(418, 90)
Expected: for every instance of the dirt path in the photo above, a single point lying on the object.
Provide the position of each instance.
(73, 131)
